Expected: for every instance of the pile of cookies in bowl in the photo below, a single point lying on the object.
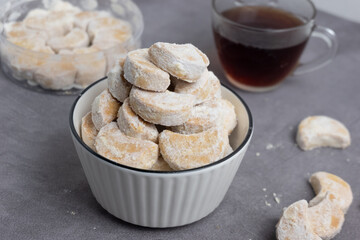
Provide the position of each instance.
(162, 110)
(57, 46)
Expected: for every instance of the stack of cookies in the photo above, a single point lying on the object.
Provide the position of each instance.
(52, 34)
(162, 111)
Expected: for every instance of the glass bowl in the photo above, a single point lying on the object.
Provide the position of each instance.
(21, 65)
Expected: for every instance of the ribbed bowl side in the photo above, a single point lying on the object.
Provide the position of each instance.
(157, 200)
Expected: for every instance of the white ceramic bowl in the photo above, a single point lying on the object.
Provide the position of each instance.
(153, 198)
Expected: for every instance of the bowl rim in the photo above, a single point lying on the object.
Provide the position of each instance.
(43, 54)
(240, 147)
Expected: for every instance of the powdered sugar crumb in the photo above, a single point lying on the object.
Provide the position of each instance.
(276, 198)
(269, 146)
(267, 203)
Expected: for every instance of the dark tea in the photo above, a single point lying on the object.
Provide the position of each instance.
(247, 64)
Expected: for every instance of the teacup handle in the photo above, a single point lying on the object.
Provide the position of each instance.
(329, 37)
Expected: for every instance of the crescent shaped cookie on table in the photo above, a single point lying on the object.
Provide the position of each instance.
(294, 223)
(323, 182)
(322, 131)
(205, 88)
(326, 217)
(114, 145)
(117, 85)
(132, 125)
(183, 61)
(216, 112)
(104, 109)
(182, 151)
(139, 71)
(164, 108)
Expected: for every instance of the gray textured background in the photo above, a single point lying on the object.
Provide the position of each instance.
(44, 193)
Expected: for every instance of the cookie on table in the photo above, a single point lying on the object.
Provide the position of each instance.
(323, 182)
(294, 223)
(326, 217)
(322, 131)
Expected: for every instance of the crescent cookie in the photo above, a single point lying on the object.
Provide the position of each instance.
(323, 182)
(114, 145)
(110, 38)
(132, 125)
(139, 71)
(18, 30)
(326, 218)
(104, 109)
(56, 75)
(76, 38)
(23, 66)
(216, 112)
(322, 131)
(82, 19)
(183, 61)
(117, 85)
(59, 5)
(161, 165)
(35, 44)
(205, 88)
(102, 24)
(88, 131)
(55, 23)
(90, 67)
(182, 151)
(294, 223)
(166, 108)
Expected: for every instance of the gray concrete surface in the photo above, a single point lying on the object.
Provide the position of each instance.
(44, 193)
